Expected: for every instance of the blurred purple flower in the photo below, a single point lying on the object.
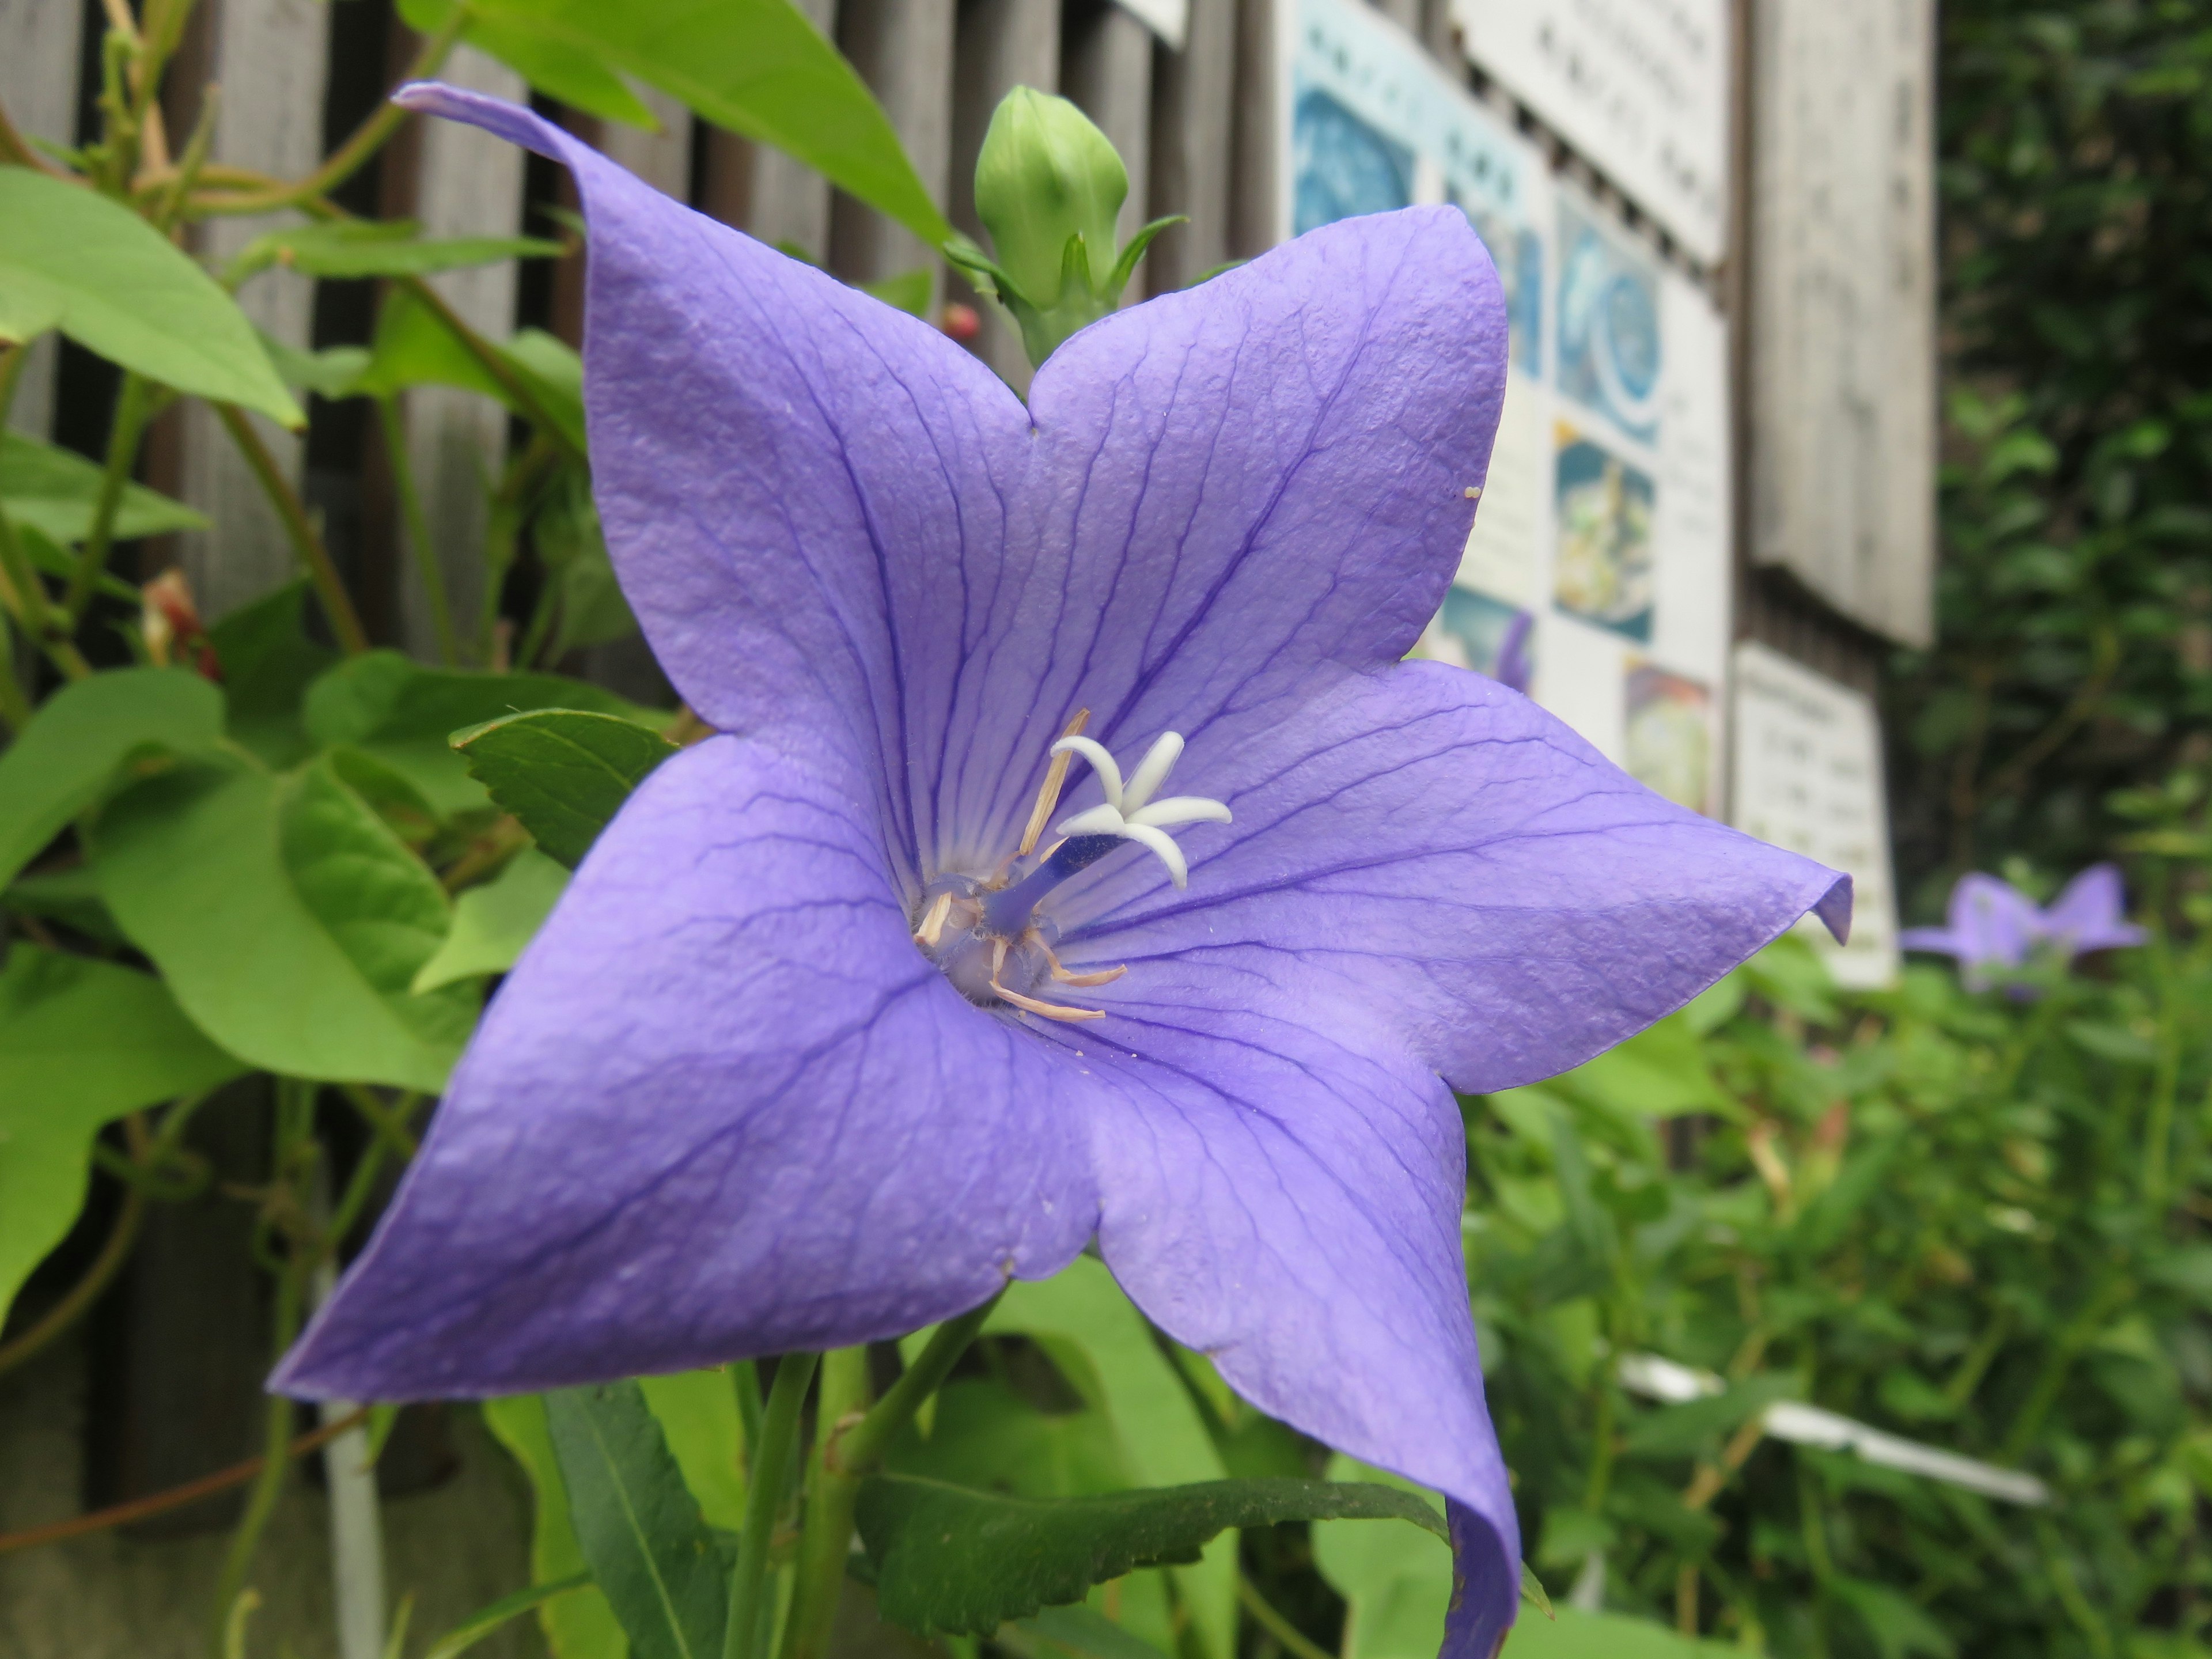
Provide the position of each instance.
(1994, 929)
(1513, 668)
(811, 1054)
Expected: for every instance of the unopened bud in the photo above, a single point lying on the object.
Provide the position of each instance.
(1047, 175)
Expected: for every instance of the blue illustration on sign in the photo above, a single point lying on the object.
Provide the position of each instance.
(1604, 505)
(1608, 312)
(1344, 166)
(1519, 255)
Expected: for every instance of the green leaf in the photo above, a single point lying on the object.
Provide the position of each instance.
(576, 76)
(482, 1623)
(698, 1412)
(1661, 1072)
(414, 347)
(580, 1625)
(563, 772)
(1082, 1631)
(1395, 1587)
(589, 608)
(353, 248)
(950, 1559)
(289, 919)
(1574, 1635)
(1697, 1426)
(641, 1529)
(756, 67)
(1098, 1339)
(82, 1042)
(268, 663)
(55, 491)
(908, 291)
(63, 760)
(75, 260)
(403, 713)
(334, 372)
(493, 922)
(67, 896)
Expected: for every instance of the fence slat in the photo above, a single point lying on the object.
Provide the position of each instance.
(469, 184)
(903, 50)
(273, 56)
(1108, 71)
(1252, 206)
(662, 159)
(38, 88)
(1193, 100)
(1003, 43)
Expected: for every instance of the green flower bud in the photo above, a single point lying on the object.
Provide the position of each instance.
(1047, 175)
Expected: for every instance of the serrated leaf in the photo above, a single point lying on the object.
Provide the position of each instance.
(580, 1625)
(403, 714)
(563, 772)
(82, 1042)
(952, 1560)
(287, 918)
(640, 1530)
(65, 758)
(56, 491)
(75, 260)
(493, 922)
(1095, 1334)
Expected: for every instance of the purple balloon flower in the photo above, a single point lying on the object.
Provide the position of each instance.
(1993, 928)
(816, 1051)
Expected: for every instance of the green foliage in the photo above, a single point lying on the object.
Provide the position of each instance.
(67, 757)
(2074, 592)
(563, 772)
(377, 247)
(82, 1042)
(949, 1558)
(77, 261)
(639, 1526)
(582, 1626)
(493, 922)
(54, 492)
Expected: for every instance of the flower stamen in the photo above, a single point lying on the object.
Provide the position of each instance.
(1070, 976)
(1050, 1010)
(932, 924)
(1055, 778)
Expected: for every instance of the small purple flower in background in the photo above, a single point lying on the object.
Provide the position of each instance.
(834, 1032)
(1994, 929)
(1513, 668)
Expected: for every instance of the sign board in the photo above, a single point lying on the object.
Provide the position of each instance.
(1596, 577)
(1639, 88)
(1808, 776)
(1843, 305)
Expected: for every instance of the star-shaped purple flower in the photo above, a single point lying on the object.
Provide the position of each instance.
(813, 1053)
(1993, 928)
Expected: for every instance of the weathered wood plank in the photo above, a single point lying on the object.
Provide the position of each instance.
(273, 55)
(38, 88)
(903, 50)
(1107, 70)
(1194, 98)
(467, 184)
(662, 159)
(1254, 211)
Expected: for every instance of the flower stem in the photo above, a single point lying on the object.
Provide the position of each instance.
(269, 1484)
(330, 588)
(82, 1295)
(859, 1450)
(418, 533)
(746, 1636)
(132, 405)
(827, 1537)
(1269, 1619)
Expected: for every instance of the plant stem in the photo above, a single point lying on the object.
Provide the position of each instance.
(22, 591)
(269, 1481)
(131, 406)
(1295, 1640)
(14, 707)
(82, 1295)
(360, 145)
(388, 1123)
(2078, 1335)
(827, 1539)
(418, 533)
(322, 571)
(743, 1637)
(859, 1450)
(493, 363)
(745, 1377)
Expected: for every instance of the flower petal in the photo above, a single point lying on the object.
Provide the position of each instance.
(1282, 1192)
(722, 1107)
(1453, 868)
(2091, 915)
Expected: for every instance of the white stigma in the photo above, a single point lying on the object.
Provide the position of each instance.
(1129, 809)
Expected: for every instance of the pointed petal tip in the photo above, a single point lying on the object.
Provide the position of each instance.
(512, 122)
(1834, 909)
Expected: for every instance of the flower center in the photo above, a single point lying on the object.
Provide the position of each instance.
(984, 933)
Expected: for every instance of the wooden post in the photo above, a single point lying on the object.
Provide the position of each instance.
(1194, 98)
(274, 57)
(1003, 43)
(1253, 216)
(903, 50)
(38, 88)
(1107, 70)
(470, 183)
